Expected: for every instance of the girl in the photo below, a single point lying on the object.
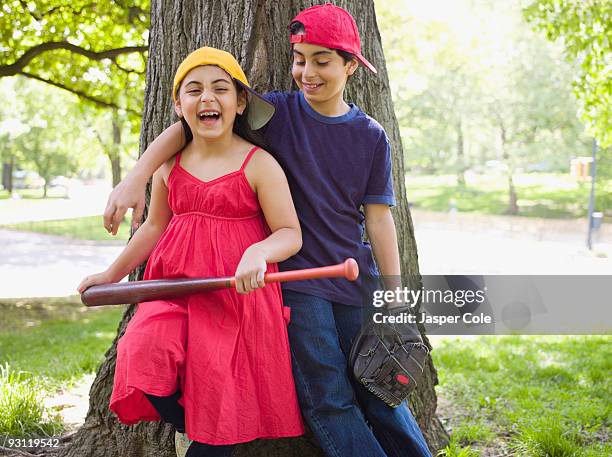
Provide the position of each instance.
(216, 365)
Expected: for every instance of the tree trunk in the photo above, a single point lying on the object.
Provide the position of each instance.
(115, 156)
(512, 208)
(7, 174)
(116, 170)
(460, 155)
(255, 31)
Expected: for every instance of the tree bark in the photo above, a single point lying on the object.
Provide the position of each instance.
(116, 170)
(460, 155)
(113, 149)
(7, 174)
(115, 155)
(255, 31)
(512, 208)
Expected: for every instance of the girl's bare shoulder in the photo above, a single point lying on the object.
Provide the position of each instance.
(166, 168)
(262, 160)
(263, 168)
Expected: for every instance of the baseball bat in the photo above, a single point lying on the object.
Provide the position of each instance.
(164, 289)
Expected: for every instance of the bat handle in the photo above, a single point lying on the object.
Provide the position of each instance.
(347, 269)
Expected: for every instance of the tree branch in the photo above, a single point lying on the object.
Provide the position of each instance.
(128, 70)
(82, 95)
(133, 10)
(40, 16)
(26, 57)
(105, 148)
(24, 5)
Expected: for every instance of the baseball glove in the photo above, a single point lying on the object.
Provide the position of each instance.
(388, 359)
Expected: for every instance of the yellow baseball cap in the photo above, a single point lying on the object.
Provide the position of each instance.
(259, 111)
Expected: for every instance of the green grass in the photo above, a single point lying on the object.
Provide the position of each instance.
(549, 439)
(537, 396)
(539, 194)
(84, 228)
(22, 412)
(474, 432)
(532, 396)
(64, 348)
(454, 449)
(34, 194)
(46, 347)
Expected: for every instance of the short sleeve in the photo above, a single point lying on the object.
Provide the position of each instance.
(271, 96)
(380, 183)
(276, 122)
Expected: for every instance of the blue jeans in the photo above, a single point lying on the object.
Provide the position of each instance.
(336, 407)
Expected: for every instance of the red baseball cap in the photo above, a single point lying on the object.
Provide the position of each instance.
(331, 27)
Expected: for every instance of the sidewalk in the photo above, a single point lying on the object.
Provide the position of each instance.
(481, 244)
(36, 265)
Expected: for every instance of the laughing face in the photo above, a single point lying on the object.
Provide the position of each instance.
(321, 73)
(209, 102)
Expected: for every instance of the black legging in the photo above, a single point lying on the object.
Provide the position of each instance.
(172, 412)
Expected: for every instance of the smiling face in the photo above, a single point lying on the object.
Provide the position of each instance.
(209, 101)
(321, 73)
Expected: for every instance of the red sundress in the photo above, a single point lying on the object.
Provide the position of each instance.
(228, 353)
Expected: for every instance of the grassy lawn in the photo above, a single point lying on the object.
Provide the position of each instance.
(34, 194)
(84, 228)
(527, 396)
(46, 347)
(531, 396)
(61, 341)
(539, 194)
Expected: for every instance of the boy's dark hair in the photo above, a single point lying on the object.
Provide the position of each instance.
(297, 28)
(241, 126)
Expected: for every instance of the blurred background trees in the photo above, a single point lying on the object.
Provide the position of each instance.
(584, 30)
(94, 51)
(477, 89)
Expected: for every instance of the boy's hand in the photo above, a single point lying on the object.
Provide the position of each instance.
(92, 280)
(129, 193)
(250, 272)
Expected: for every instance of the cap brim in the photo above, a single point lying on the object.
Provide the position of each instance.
(365, 63)
(260, 110)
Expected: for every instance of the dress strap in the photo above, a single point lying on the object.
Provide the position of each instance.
(177, 161)
(248, 157)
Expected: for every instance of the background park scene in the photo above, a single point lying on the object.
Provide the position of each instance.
(499, 115)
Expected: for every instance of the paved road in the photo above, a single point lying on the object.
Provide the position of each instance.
(35, 265)
(450, 246)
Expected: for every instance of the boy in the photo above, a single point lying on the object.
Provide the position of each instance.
(336, 159)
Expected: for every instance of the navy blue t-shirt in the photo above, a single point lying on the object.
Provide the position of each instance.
(333, 165)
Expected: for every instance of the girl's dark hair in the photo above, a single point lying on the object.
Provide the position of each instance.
(297, 28)
(241, 126)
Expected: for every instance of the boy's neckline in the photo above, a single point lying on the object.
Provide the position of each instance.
(327, 119)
